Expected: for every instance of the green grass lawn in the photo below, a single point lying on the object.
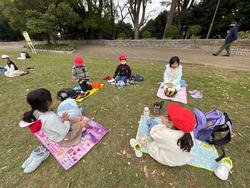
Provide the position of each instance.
(119, 110)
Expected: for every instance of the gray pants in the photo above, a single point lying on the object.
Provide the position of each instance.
(224, 46)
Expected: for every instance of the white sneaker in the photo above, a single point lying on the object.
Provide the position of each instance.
(224, 168)
(136, 146)
(36, 151)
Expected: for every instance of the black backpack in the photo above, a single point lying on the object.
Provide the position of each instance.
(137, 78)
(65, 93)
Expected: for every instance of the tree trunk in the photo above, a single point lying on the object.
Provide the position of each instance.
(137, 8)
(136, 32)
(112, 11)
(170, 16)
(211, 25)
(48, 38)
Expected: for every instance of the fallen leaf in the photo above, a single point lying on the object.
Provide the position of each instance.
(10, 150)
(129, 156)
(129, 163)
(68, 186)
(3, 168)
(118, 153)
(163, 174)
(83, 161)
(240, 134)
(145, 169)
(153, 173)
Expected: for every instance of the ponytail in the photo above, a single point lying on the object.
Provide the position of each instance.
(38, 99)
(186, 142)
(29, 117)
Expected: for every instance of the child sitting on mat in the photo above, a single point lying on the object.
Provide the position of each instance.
(11, 69)
(65, 131)
(80, 73)
(172, 77)
(173, 141)
(123, 71)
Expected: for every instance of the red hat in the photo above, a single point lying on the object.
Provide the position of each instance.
(33, 126)
(122, 58)
(78, 61)
(182, 118)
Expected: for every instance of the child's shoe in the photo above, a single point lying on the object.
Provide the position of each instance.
(224, 168)
(36, 161)
(136, 146)
(36, 151)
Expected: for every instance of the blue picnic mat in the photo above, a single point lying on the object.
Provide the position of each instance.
(204, 153)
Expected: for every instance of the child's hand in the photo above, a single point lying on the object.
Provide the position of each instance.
(170, 85)
(84, 123)
(65, 116)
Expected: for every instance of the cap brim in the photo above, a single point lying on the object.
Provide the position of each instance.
(24, 124)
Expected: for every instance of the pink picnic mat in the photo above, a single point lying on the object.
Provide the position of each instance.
(181, 96)
(68, 157)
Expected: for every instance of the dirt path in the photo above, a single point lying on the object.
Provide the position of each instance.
(191, 56)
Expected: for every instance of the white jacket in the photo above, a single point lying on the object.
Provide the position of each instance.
(164, 148)
(52, 125)
(10, 69)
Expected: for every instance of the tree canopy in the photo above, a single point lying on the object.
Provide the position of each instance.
(102, 19)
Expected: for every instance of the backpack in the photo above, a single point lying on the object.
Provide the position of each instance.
(26, 54)
(65, 93)
(137, 78)
(207, 125)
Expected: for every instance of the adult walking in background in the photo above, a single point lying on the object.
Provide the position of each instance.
(231, 37)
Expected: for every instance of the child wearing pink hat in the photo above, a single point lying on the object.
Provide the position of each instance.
(80, 73)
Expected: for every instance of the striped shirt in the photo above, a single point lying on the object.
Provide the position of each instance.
(80, 73)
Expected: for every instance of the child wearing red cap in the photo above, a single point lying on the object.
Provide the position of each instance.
(80, 73)
(173, 142)
(123, 71)
(79, 70)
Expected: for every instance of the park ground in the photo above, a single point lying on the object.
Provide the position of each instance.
(112, 163)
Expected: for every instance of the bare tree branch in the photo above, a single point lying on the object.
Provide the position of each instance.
(121, 9)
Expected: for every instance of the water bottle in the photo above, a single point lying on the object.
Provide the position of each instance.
(146, 113)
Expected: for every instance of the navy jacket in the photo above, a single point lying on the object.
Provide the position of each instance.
(232, 36)
(123, 70)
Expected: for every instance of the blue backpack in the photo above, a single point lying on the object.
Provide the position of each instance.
(209, 125)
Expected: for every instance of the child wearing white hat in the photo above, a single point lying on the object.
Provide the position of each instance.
(11, 68)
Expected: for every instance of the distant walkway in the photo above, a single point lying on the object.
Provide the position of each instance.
(190, 56)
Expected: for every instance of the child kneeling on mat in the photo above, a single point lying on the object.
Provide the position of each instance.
(173, 141)
(65, 131)
(80, 73)
(123, 71)
(172, 77)
(11, 69)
